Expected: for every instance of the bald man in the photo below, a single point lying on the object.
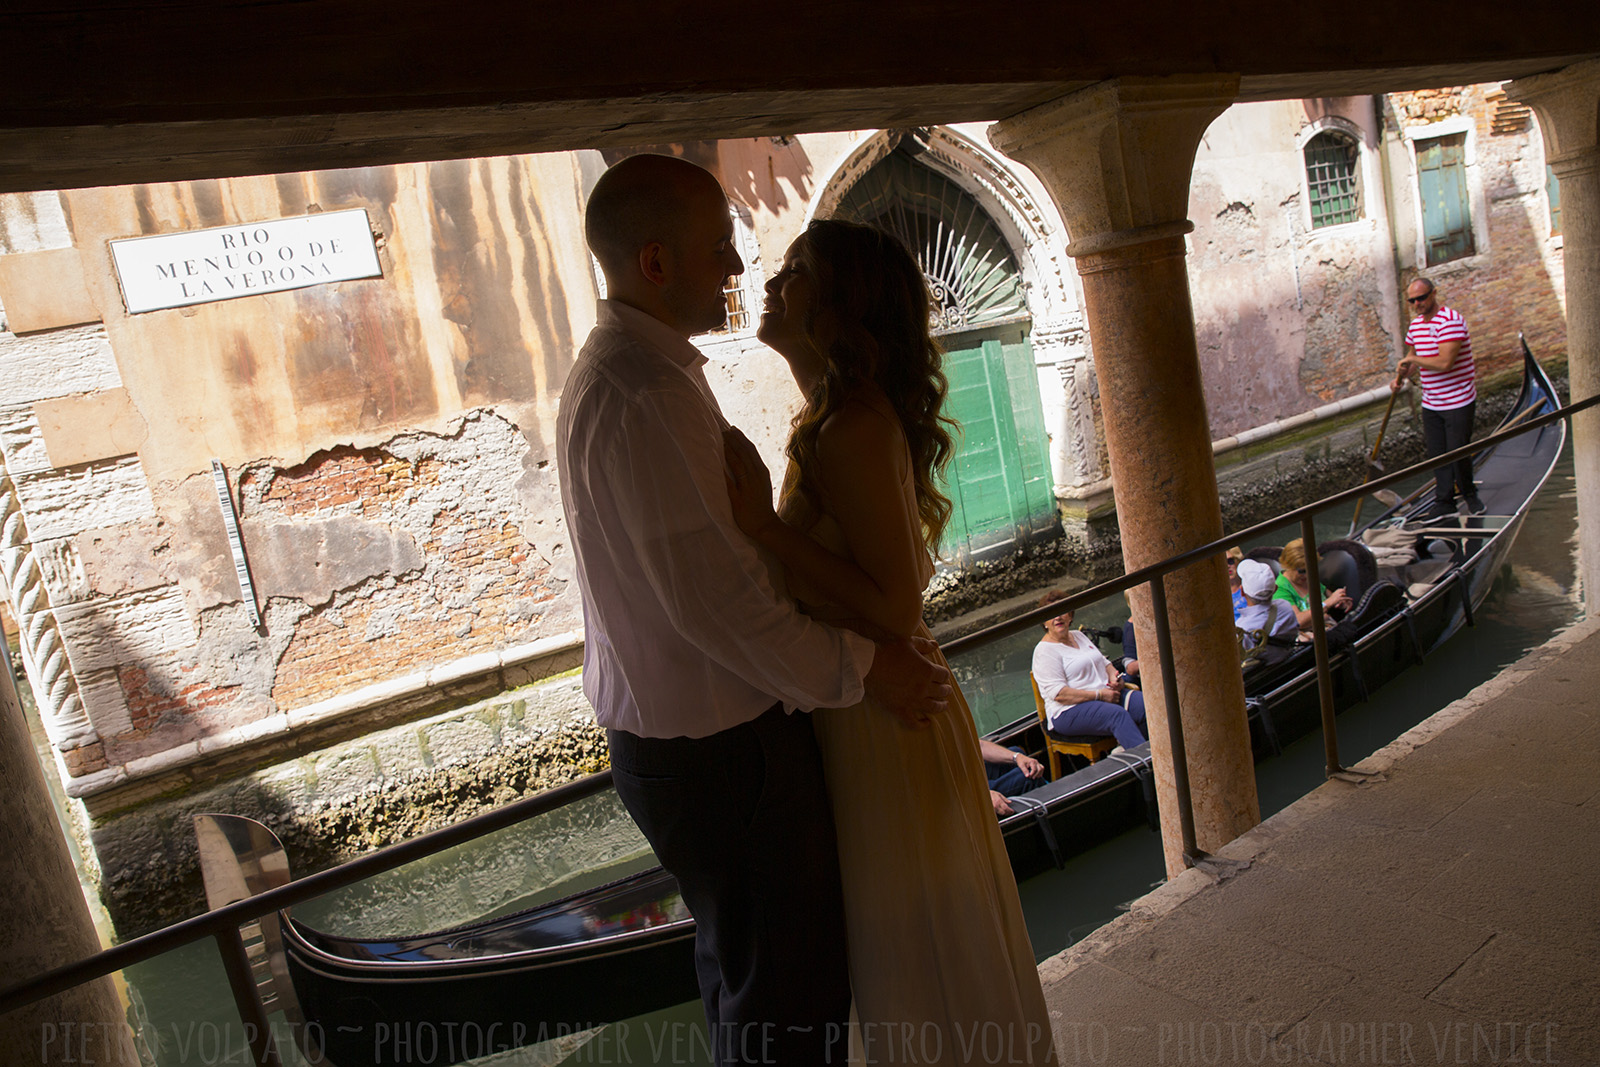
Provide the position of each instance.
(695, 665)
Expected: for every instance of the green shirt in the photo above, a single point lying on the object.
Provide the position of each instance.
(1288, 592)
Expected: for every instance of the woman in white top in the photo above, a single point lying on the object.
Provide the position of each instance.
(1083, 692)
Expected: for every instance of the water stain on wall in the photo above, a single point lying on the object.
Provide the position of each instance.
(548, 298)
(354, 358)
(292, 199)
(493, 274)
(208, 203)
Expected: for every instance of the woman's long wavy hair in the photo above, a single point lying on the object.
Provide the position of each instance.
(870, 324)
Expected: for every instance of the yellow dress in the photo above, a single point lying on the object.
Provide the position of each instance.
(941, 967)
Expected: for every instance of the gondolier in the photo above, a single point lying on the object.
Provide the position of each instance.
(1439, 350)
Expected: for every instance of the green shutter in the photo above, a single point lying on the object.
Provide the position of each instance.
(1552, 188)
(1442, 187)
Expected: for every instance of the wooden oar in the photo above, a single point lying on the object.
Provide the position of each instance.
(1527, 413)
(1390, 499)
(1372, 460)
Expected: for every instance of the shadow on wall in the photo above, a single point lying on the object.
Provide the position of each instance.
(764, 173)
(1284, 322)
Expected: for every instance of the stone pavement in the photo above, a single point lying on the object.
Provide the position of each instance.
(1446, 911)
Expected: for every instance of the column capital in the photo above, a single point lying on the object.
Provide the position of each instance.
(1117, 156)
(1568, 104)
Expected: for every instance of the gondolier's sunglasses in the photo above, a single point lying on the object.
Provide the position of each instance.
(1419, 299)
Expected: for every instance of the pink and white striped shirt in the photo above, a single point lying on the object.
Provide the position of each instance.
(1443, 390)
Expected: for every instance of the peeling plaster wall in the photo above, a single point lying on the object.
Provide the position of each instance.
(1514, 281)
(388, 441)
(1287, 317)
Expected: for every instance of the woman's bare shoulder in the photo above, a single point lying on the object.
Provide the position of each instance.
(866, 421)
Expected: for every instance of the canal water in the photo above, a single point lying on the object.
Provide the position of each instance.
(189, 1019)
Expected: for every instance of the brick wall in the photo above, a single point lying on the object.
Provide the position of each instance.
(1515, 282)
(477, 589)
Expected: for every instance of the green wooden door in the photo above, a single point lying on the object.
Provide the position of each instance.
(999, 482)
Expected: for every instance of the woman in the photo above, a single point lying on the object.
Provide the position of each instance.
(1293, 586)
(937, 943)
(1234, 555)
(1083, 691)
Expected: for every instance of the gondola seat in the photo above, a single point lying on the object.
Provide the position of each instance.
(1085, 746)
(1268, 554)
(1385, 598)
(1347, 565)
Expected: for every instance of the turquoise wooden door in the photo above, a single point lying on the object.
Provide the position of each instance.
(1442, 187)
(999, 482)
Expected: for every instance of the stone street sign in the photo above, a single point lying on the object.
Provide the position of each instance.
(177, 269)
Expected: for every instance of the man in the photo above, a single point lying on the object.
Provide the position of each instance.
(692, 661)
(1011, 772)
(1263, 613)
(1438, 348)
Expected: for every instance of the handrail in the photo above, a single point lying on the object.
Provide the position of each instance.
(296, 892)
(223, 923)
(1093, 593)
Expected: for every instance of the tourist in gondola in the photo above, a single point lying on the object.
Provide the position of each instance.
(1294, 586)
(1234, 555)
(1264, 615)
(1011, 772)
(1083, 692)
(937, 944)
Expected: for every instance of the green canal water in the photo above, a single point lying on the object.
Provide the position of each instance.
(189, 1019)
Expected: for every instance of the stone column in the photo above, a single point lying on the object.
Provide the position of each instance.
(45, 922)
(1568, 105)
(1117, 158)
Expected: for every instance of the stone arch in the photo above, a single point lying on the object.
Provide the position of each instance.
(1037, 240)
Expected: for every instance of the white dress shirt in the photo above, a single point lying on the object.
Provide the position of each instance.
(686, 634)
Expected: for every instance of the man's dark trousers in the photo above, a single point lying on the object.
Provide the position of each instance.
(1445, 431)
(741, 819)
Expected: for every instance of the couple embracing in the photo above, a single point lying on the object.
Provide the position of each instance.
(781, 728)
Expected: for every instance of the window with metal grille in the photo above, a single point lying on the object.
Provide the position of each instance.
(738, 305)
(743, 291)
(1332, 175)
(1442, 188)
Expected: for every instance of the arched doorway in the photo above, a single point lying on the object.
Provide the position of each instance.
(999, 482)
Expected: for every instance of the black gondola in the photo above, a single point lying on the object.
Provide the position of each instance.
(1402, 612)
(626, 947)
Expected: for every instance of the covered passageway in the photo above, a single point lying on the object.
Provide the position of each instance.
(1105, 104)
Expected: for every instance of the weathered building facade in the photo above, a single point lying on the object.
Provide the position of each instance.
(388, 441)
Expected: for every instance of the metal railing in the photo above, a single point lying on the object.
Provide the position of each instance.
(223, 923)
(1155, 575)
